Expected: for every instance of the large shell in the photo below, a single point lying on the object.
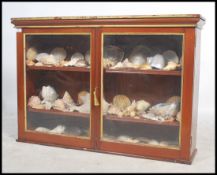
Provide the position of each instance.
(139, 55)
(59, 53)
(170, 55)
(113, 53)
(83, 96)
(31, 54)
(59, 105)
(156, 61)
(121, 101)
(49, 94)
(67, 98)
(142, 105)
(87, 57)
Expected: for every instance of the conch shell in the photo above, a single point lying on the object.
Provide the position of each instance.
(114, 110)
(31, 54)
(121, 101)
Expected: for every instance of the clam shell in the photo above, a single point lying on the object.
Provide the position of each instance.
(59, 53)
(31, 54)
(49, 94)
(170, 55)
(139, 55)
(156, 61)
(121, 101)
(113, 53)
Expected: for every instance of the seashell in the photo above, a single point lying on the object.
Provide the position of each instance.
(178, 116)
(59, 105)
(170, 56)
(153, 142)
(67, 98)
(156, 61)
(48, 94)
(121, 101)
(58, 129)
(145, 67)
(31, 54)
(59, 54)
(82, 96)
(49, 60)
(139, 55)
(130, 110)
(77, 56)
(127, 139)
(42, 129)
(174, 99)
(164, 110)
(41, 56)
(80, 63)
(84, 108)
(30, 63)
(142, 105)
(113, 110)
(164, 143)
(108, 63)
(34, 100)
(38, 64)
(171, 66)
(113, 53)
(87, 57)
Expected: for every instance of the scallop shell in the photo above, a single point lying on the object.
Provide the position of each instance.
(83, 96)
(113, 53)
(31, 54)
(59, 105)
(113, 110)
(67, 98)
(153, 142)
(87, 57)
(48, 94)
(121, 101)
(156, 61)
(59, 53)
(170, 55)
(142, 105)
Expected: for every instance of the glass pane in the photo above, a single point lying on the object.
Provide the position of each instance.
(58, 84)
(142, 89)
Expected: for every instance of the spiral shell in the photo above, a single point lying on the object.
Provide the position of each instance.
(121, 101)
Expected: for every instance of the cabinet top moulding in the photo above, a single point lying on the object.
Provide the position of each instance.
(179, 20)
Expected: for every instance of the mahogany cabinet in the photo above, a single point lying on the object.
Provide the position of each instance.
(123, 85)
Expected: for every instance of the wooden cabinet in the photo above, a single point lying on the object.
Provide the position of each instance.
(125, 85)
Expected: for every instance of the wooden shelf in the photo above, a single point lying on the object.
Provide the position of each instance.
(137, 71)
(55, 68)
(140, 120)
(56, 112)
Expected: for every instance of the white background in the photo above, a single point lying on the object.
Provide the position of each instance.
(206, 86)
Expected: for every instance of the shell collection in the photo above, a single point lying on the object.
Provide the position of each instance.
(141, 57)
(57, 57)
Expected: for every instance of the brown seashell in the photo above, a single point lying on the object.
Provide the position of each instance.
(121, 101)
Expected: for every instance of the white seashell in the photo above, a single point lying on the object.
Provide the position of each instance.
(59, 54)
(42, 129)
(87, 57)
(171, 66)
(153, 142)
(83, 96)
(107, 63)
(170, 56)
(127, 139)
(49, 60)
(38, 64)
(48, 94)
(71, 62)
(41, 56)
(156, 61)
(34, 100)
(142, 105)
(58, 130)
(77, 56)
(59, 105)
(31, 54)
(80, 63)
(67, 98)
(130, 110)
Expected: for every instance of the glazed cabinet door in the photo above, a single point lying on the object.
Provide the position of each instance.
(141, 91)
(56, 66)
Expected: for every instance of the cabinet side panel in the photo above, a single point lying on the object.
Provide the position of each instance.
(20, 86)
(195, 90)
(187, 94)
